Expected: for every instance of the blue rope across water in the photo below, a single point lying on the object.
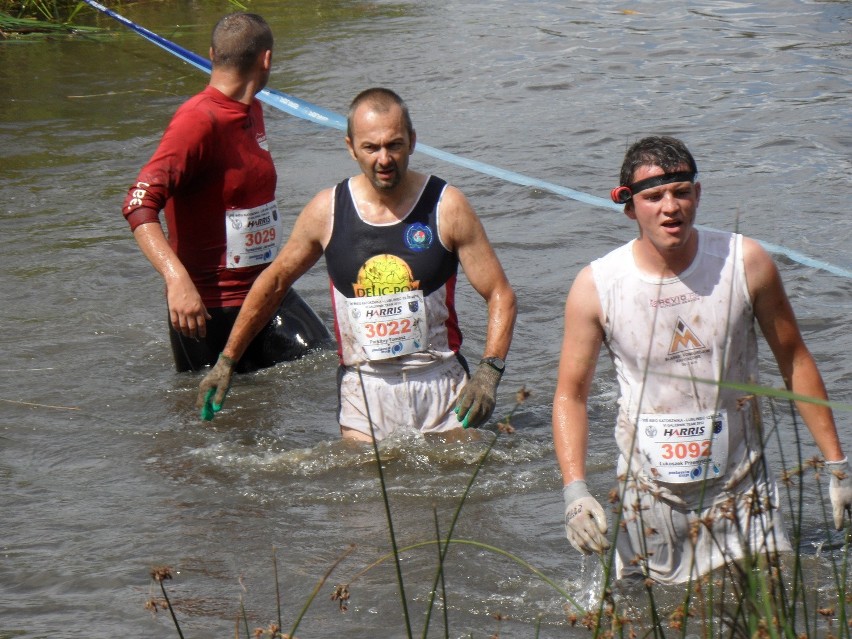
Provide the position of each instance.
(307, 111)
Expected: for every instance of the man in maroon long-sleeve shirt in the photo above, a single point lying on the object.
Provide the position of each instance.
(214, 178)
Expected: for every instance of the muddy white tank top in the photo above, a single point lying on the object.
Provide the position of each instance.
(671, 340)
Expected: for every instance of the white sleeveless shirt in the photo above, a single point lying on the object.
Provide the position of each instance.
(670, 339)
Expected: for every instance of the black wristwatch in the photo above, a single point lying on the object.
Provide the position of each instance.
(494, 362)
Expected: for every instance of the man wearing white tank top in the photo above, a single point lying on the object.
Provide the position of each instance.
(676, 308)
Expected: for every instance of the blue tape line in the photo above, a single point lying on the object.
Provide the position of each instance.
(307, 111)
(805, 260)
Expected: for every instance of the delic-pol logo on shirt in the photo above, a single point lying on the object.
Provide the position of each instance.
(384, 275)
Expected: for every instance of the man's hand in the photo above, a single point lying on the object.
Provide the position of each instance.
(187, 312)
(214, 387)
(477, 399)
(585, 520)
(840, 490)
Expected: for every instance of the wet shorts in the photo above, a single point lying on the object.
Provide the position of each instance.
(423, 400)
(680, 543)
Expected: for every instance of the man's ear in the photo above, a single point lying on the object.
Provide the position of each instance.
(697, 193)
(412, 143)
(629, 211)
(351, 148)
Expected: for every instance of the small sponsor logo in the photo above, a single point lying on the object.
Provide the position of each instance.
(418, 237)
(685, 346)
(684, 338)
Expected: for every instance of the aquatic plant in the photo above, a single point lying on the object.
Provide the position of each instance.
(41, 16)
(28, 17)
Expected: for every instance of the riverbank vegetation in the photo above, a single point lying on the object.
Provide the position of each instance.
(799, 595)
(28, 17)
(53, 11)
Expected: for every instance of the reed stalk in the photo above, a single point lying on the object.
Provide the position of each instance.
(386, 503)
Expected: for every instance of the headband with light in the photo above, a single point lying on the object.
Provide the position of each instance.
(623, 194)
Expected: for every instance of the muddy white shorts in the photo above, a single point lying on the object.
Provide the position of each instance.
(422, 400)
(671, 544)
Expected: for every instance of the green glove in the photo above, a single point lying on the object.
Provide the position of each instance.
(477, 399)
(214, 387)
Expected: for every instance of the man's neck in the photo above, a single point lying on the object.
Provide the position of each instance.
(387, 205)
(665, 263)
(234, 86)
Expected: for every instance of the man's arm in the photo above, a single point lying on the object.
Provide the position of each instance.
(581, 344)
(175, 162)
(462, 232)
(186, 310)
(302, 250)
(799, 371)
(466, 235)
(585, 520)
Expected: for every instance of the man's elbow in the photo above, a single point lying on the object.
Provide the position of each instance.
(505, 299)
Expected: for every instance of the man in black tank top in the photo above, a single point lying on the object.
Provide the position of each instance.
(393, 240)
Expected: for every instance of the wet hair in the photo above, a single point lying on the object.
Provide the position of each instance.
(665, 152)
(380, 100)
(238, 39)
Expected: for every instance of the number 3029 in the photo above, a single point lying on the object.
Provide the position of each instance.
(691, 450)
(260, 237)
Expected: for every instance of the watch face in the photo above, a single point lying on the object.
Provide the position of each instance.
(495, 362)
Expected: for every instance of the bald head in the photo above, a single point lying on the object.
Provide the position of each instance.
(380, 100)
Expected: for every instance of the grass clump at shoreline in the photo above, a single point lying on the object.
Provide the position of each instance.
(42, 18)
(46, 17)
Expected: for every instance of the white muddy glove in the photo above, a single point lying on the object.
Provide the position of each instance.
(840, 490)
(585, 520)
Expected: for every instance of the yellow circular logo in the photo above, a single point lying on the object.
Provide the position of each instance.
(384, 275)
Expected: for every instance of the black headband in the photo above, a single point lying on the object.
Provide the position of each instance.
(623, 194)
(659, 180)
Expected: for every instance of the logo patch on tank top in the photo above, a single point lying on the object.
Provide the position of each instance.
(384, 275)
(685, 345)
(418, 237)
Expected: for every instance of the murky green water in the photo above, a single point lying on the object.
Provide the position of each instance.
(105, 469)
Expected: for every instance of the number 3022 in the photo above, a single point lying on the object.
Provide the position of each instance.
(383, 329)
